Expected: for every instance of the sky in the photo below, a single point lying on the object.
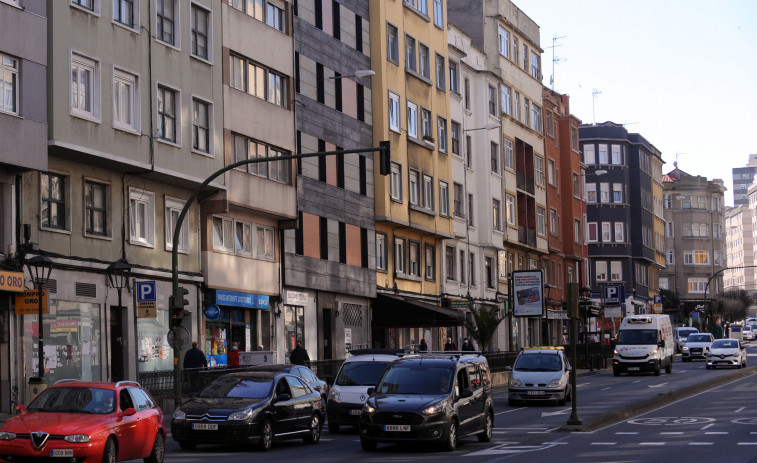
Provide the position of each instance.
(683, 74)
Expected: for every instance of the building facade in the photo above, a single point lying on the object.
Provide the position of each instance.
(739, 235)
(742, 180)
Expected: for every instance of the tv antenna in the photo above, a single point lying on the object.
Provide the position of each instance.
(555, 59)
(675, 164)
(594, 94)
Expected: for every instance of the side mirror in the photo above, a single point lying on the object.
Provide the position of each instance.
(508, 368)
(371, 391)
(283, 398)
(129, 411)
(661, 344)
(20, 408)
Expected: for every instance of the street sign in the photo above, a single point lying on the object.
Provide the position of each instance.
(614, 294)
(27, 303)
(658, 303)
(146, 299)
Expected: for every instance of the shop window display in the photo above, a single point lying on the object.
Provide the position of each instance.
(220, 332)
(154, 351)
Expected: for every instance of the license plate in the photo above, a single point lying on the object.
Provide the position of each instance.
(397, 427)
(355, 412)
(535, 392)
(61, 452)
(205, 426)
(633, 368)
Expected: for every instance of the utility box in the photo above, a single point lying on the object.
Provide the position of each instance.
(36, 386)
(735, 332)
(257, 357)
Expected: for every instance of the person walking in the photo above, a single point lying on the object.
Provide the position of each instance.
(423, 347)
(233, 360)
(467, 345)
(194, 359)
(299, 356)
(450, 344)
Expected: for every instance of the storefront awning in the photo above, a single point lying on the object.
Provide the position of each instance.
(391, 311)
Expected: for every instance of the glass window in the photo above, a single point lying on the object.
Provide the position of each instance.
(84, 78)
(428, 192)
(53, 198)
(412, 120)
(453, 77)
(430, 262)
(504, 42)
(142, 217)
(443, 198)
(442, 127)
(589, 154)
(424, 67)
(399, 255)
(492, 101)
(95, 208)
(396, 187)
(504, 99)
(601, 268)
(173, 210)
(619, 232)
(509, 159)
(392, 44)
(8, 84)
(200, 126)
(455, 137)
(541, 221)
(414, 258)
(438, 13)
(426, 129)
(413, 187)
(381, 251)
(496, 215)
(449, 261)
(394, 112)
(166, 21)
(166, 114)
(441, 69)
(494, 156)
(200, 33)
(125, 100)
(275, 17)
(410, 58)
(510, 209)
(123, 12)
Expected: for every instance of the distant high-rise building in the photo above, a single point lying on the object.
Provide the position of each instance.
(742, 178)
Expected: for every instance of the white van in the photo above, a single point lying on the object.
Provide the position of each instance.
(350, 389)
(645, 343)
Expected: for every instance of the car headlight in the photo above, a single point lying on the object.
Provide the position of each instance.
(367, 408)
(555, 383)
(77, 438)
(179, 414)
(515, 382)
(334, 396)
(685, 347)
(615, 352)
(5, 435)
(436, 408)
(242, 415)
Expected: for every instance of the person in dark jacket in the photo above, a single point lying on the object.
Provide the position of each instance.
(299, 356)
(450, 344)
(233, 360)
(194, 359)
(467, 345)
(423, 347)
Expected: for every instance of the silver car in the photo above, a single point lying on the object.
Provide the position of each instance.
(697, 346)
(726, 353)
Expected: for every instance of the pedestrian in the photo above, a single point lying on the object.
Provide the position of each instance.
(423, 347)
(450, 344)
(467, 345)
(233, 360)
(194, 359)
(299, 356)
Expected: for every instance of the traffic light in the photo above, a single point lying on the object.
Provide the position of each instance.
(385, 158)
(177, 308)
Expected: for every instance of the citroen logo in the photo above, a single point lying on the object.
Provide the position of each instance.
(39, 438)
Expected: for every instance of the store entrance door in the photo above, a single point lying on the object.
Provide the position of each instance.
(116, 344)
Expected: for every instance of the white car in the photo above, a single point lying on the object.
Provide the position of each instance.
(540, 374)
(726, 353)
(747, 333)
(697, 346)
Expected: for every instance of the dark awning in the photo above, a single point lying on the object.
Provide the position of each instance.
(391, 311)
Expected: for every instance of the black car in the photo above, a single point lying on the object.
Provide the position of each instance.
(250, 407)
(304, 373)
(430, 397)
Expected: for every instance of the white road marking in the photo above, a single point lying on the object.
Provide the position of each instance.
(510, 411)
(604, 443)
(657, 385)
(740, 409)
(709, 425)
(606, 388)
(747, 443)
(559, 412)
(701, 443)
(671, 433)
(652, 443)
(716, 433)
(627, 433)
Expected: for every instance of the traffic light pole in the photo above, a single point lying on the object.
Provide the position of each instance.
(176, 301)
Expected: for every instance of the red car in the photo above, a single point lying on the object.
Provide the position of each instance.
(89, 422)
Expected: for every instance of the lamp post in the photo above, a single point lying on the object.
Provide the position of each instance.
(573, 310)
(40, 268)
(118, 275)
(360, 73)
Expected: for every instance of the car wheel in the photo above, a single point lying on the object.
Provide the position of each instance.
(333, 428)
(367, 444)
(314, 433)
(657, 370)
(158, 450)
(187, 445)
(266, 437)
(110, 452)
(450, 444)
(669, 368)
(708, 367)
(486, 434)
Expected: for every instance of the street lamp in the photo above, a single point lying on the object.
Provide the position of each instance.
(360, 73)
(118, 275)
(40, 268)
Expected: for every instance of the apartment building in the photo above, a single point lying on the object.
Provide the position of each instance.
(23, 129)
(739, 245)
(330, 259)
(408, 47)
(695, 239)
(742, 181)
(510, 41)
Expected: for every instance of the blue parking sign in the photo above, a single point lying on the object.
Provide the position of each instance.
(146, 291)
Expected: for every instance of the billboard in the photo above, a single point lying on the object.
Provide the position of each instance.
(528, 293)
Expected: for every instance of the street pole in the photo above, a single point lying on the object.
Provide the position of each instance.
(573, 310)
(41, 354)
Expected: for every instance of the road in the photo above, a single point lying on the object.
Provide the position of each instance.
(630, 418)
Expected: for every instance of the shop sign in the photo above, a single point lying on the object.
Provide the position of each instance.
(212, 311)
(64, 326)
(557, 314)
(27, 303)
(459, 304)
(247, 300)
(295, 297)
(11, 281)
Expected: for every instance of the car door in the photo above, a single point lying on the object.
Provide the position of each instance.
(147, 421)
(302, 403)
(466, 407)
(283, 408)
(128, 428)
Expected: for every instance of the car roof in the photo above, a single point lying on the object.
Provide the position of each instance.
(251, 374)
(442, 358)
(371, 358)
(94, 384)
(284, 367)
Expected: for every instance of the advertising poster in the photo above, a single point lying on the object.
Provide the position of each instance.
(528, 293)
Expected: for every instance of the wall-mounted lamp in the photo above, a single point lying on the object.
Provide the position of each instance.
(489, 126)
(600, 172)
(360, 73)
(336, 313)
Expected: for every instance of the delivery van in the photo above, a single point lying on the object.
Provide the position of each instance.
(644, 343)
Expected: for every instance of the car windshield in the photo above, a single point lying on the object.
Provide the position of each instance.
(415, 379)
(637, 337)
(538, 362)
(233, 386)
(699, 338)
(75, 400)
(725, 344)
(686, 333)
(360, 373)
(747, 328)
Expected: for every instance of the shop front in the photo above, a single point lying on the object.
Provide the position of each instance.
(231, 317)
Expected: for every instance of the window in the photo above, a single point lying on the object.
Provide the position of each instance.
(463, 266)
(441, 69)
(471, 205)
(396, 174)
(539, 169)
(504, 42)
(697, 284)
(601, 268)
(550, 124)
(53, 198)
(602, 154)
(258, 81)
(536, 118)
(492, 101)
(449, 262)
(554, 222)
(453, 78)
(84, 88)
(617, 192)
(88, 4)
(455, 136)
(535, 65)
(394, 112)
(412, 120)
(200, 32)
(413, 187)
(247, 148)
(141, 217)
(381, 251)
(442, 128)
(489, 268)
(438, 13)
(457, 200)
(472, 268)
(589, 154)
(591, 192)
(8, 84)
(525, 57)
(201, 116)
(166, 21)
(616, 271)
(443, 198)
(604, 192)
(670, 257)
(504, 99)
(223, 231)
(515, 49)
(541, 227)
(414, 259)
(173, 210)
(466, 90)
(616, 157)
(410, 63)
(669, 229)
(696, 257)
(496, 214)
(95, 209)
(242, 237)
(167, 114)
(424, 66)
(399, 255)
(428, 192)
(574, 138)
(576, 186)
(619, 232)
(527, 112)
(591, 233)
(426, 130)
(124, 12)
(551, 173)
(577, 232)
(392, 44)
(430, 262)
(264, 243)
(510, 209)
(275, 17)
(253, 8)
(125, 101)
(509, 159)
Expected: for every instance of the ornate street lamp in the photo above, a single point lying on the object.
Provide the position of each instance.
(118, 276)
(40, 268)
